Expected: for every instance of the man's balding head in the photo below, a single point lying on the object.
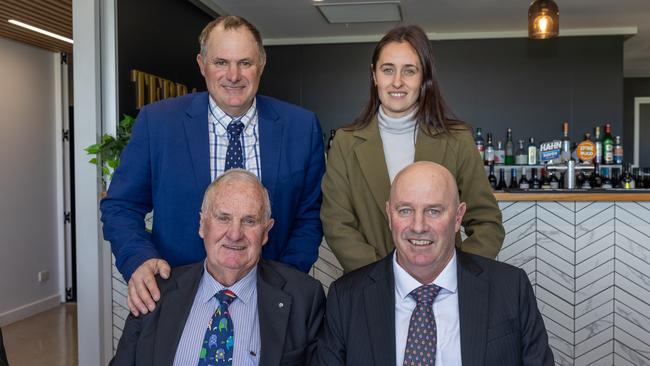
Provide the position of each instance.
(424, 215)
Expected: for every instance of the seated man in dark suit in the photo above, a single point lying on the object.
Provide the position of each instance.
(428, 303)
(233, 308)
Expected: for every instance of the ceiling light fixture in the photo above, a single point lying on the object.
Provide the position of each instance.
(543, 19)
(39, 30)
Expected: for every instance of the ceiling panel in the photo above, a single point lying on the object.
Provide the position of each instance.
(51, 15)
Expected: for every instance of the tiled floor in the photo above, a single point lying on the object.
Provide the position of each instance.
(48, 338)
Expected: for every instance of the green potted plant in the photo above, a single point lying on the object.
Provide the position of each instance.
(107, 152)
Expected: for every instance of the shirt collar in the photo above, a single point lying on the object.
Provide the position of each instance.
(405, 283)
(245, 288)
(221, 119)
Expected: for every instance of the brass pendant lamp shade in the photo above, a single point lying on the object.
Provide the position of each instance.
(543, 19)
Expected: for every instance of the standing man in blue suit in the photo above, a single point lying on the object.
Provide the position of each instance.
(180, 145)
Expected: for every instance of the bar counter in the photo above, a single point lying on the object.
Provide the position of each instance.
(575, 195)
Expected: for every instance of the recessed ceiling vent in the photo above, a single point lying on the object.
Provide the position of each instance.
(361, 12)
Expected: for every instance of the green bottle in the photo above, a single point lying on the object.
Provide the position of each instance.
(608, 145)
(510, 149)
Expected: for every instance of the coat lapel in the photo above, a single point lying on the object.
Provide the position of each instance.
(473, 299)
(173, 314)
(379, 301)
(270, 130)
(425, 150)
(196, 131)
(370, 155)
(274, 307)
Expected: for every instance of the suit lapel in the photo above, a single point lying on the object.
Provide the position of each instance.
(473, 300)
(196, 131)
(173, 314)
(429, 149)
(379, 301)
(274, 307)
(370, 155)
(270, 130)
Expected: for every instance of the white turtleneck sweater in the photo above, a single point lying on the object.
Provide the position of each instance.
(398, 138)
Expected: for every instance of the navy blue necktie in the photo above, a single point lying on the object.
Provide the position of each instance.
(422, 336)
(218, 342)
(234, 154)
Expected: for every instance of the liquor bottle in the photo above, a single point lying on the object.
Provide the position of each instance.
(553, 181)
(489, 150)
(565, 155)
(595, 178)
(616, 183)
(492, 179)
(513, 179)
(561, 180)
(523, 181)
(501, 186)
(532, 152)
(521, 157)
(480, 144)
(534, 181)
(646, 179)
(510, 148)
(627, 181)
(331, 139)
(545, 181)
(607, 181)
(580, 178)
(598, 159)
(638, 179)
(618, 151)
(608, 145)
(499, 154)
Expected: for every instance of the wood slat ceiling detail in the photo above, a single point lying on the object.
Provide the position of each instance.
(51, 15)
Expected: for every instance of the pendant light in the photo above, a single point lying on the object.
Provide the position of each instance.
(543, 19)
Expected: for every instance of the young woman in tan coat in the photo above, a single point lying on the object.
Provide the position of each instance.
(405, 120)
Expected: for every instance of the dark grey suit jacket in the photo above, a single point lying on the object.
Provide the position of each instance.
(288, 334)
(499, 320)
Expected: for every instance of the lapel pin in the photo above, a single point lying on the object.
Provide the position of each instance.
(280, 305)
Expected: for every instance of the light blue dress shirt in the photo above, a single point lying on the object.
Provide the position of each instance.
(243, 312)
(445, 309)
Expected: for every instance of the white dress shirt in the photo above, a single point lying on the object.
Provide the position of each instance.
(243, 311)
(445, 309)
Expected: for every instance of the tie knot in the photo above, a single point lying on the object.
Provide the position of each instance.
(235, 127)
(425, 294)
(226, 297)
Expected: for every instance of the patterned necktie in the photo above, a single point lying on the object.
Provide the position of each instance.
(234, 154)
(422, 337)
(218, 340)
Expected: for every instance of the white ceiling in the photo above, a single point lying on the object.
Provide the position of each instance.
(299, 22)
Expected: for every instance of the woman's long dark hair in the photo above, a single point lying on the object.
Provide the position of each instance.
(433, 113)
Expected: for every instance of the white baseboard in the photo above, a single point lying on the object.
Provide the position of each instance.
(30, 309)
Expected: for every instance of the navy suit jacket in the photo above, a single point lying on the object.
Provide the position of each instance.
(288, 333)
(499, 320)
(165, 167)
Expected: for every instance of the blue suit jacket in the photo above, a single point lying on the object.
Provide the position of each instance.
(165, 167)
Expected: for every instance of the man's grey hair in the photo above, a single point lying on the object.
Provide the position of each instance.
(231, 22)
(236, 175)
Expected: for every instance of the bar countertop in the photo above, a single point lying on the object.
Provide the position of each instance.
(574, 195)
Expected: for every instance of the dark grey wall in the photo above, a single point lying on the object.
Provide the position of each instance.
(636, 87)
(530, 86)
(159, 37)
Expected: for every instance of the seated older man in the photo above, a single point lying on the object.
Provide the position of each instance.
(428, 303)
(233, 308)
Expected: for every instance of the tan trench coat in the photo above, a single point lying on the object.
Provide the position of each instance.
(356, 187)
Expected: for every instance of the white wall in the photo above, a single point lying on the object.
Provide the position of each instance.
(28, 190)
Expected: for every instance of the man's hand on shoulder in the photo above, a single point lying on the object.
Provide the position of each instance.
(143, 290)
